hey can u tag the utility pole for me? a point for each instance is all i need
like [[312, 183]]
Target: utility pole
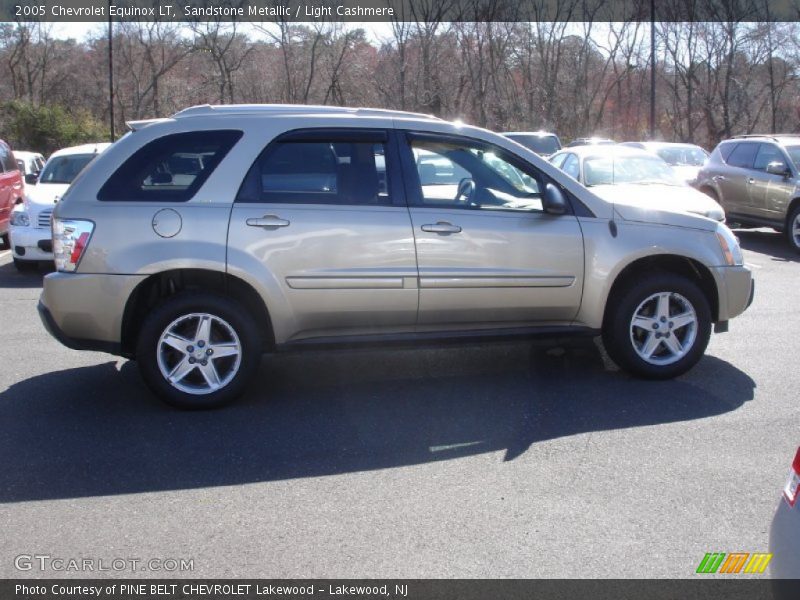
[[771, 70], [111, 71], [652, 69]]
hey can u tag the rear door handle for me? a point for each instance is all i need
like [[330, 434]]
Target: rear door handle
[[718, 178], [268, 221], [750, 180], [441, 227]]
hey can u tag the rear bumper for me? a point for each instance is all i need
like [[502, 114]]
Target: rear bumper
[[85, 311], [74, 343]]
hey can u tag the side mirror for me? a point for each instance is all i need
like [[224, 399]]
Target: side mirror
[[553, 201], [31, 178], [779, 168]]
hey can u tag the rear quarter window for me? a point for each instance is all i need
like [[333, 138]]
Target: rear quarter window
[[725, 150], [743, 155], [171, 168]]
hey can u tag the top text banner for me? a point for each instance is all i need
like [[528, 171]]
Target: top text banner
[[430, 11]]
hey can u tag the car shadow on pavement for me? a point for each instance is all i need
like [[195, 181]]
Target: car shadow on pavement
[[96, 430], [769, 243], [11, 278]]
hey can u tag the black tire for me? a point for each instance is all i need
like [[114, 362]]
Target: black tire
[[26, 266], [792, 236], [6, 241], [619, 333], [150, 351]]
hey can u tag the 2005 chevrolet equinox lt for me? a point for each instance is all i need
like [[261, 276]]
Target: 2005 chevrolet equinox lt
[[197, 243]]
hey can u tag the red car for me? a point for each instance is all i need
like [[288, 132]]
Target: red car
[[11, 190]]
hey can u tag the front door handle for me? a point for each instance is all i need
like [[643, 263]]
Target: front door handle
[[267, 221], [750, 180], [441, 227]]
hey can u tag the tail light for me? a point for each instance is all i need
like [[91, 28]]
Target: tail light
[[70, 239], [790, 492]]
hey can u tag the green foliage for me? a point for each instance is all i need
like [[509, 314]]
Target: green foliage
[[48, 128]]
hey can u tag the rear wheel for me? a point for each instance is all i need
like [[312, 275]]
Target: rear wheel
[[658, 327], [6, 241], [198, 350], [793, 228]]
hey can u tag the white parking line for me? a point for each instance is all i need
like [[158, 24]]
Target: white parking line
[[4, 252]]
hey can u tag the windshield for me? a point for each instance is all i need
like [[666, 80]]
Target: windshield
[[794, 154], [691, 156], [63, 169], [541, 144], [627, 169]]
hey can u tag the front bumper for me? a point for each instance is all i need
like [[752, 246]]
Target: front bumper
[[85, 311], [736, 290], [31, 243]]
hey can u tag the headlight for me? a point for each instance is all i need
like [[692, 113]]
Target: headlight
[[729, 246], [20, 218]]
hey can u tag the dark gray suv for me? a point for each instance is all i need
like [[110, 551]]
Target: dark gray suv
[[755, 178]]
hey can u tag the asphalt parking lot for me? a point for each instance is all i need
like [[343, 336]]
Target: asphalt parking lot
[[504, 460]]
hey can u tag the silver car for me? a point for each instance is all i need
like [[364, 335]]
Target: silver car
[[196, 243], [622, 174], [685, 159], [784, 534]]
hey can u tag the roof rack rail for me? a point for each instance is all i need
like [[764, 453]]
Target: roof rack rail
[[288, 109], [771, 136]]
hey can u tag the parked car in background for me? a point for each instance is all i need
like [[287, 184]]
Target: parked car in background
[[30, 164], [31, 238], [306, 226], [590, 141], [756, 178], [631, 176], [11, 189], [784, 534], [543, 143], [685, 159]]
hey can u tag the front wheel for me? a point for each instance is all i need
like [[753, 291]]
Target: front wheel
[[658, 327], [793, 229], [198, 350]]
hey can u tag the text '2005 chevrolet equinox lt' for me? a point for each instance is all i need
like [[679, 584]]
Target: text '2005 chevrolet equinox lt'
[[196, 243]]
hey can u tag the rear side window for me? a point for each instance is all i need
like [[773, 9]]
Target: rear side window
[[743, 156], [319, 172], [558, 160], [572, 166], [171, 168], [725, 150]]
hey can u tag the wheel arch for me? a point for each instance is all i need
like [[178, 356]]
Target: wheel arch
[[158, 287], [793, 204], [670, 263]]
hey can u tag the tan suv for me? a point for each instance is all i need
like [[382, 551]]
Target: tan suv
[[756, 179], [197, 243]]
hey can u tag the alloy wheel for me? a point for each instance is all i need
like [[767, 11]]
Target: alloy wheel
[[663, 328], [199, 353]]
